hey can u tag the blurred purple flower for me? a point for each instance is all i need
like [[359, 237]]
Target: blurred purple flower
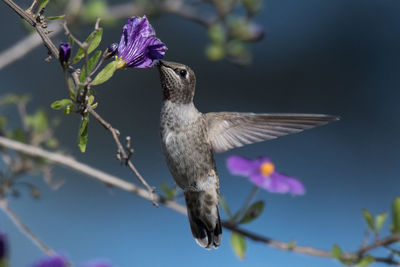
[[3, 247], [97, 263], [261, 172], [55, 261], [139, 48], [64, 50]]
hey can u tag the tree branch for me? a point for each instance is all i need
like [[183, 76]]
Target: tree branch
[[24, 229], [69, 162]]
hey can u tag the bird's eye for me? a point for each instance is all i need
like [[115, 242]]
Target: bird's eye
[[183, 73]]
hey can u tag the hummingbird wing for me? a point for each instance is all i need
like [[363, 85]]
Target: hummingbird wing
[[227, 130]]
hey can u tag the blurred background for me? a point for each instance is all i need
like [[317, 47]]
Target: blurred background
[[335, 57]]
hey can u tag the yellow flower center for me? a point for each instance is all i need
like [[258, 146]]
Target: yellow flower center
[[121, 63], [266, 169]]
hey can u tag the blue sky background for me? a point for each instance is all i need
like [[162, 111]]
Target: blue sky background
[[335, 57]]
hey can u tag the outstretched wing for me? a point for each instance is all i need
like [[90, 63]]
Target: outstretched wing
[[227, 130]]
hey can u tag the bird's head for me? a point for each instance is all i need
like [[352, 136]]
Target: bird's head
[[177, 81]]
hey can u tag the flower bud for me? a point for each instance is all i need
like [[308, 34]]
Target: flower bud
[[64, 50], [112, 50]]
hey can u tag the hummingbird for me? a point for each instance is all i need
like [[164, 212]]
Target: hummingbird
[[189, 139]]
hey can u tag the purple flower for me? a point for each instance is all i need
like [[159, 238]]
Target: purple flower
[[55, 261], [139, 48], [261, 172], [64, 50], [97, 263]]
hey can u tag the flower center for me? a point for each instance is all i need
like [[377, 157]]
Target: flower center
[[120, 63], [266, 169]]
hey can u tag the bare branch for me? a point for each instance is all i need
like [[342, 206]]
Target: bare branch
[[71, 163], [24, 229]]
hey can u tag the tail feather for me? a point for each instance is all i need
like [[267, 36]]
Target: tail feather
[[205, 222]]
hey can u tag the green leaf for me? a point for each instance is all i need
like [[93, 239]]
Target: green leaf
[[39, 121], [225, 207], [169, 193], [94, 39], [369, 219], [52, 143], [380, 220], [336, 252], [217, 34], [18, 135], [105, 73], [253, 212], [55, 17], [13, 99], [3, 123], [215, 52], [252, 6], [83, 133], [96, 9], [366, 261], [91, 64], [238, 244], [43, 4], [396, 215], [61, 103]]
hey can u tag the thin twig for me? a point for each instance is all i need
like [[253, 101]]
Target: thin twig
[[71, 163], [115, 133], [24, 229]]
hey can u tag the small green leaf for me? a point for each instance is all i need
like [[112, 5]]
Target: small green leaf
[[55, 17], [19, 135], [169, 193], [369, 219], [217, 33], [336, 252], [253, 212], [380, 220], [91, 64], [13, 99], [90, 99], [396, 215], [105, 73], [94, 105], [366, 261], [52, 143], [215, 52], [39, 121], [291, 244], [69, 109], [225, 207], [94, 39], [43, 4], [71, 41], [83, 133], [3, 123], [238, 244], [61, 103]]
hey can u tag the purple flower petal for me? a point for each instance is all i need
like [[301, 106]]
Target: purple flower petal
[[56, 261], [238, 165], [97, 263], [261, 172], [139, 48]]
